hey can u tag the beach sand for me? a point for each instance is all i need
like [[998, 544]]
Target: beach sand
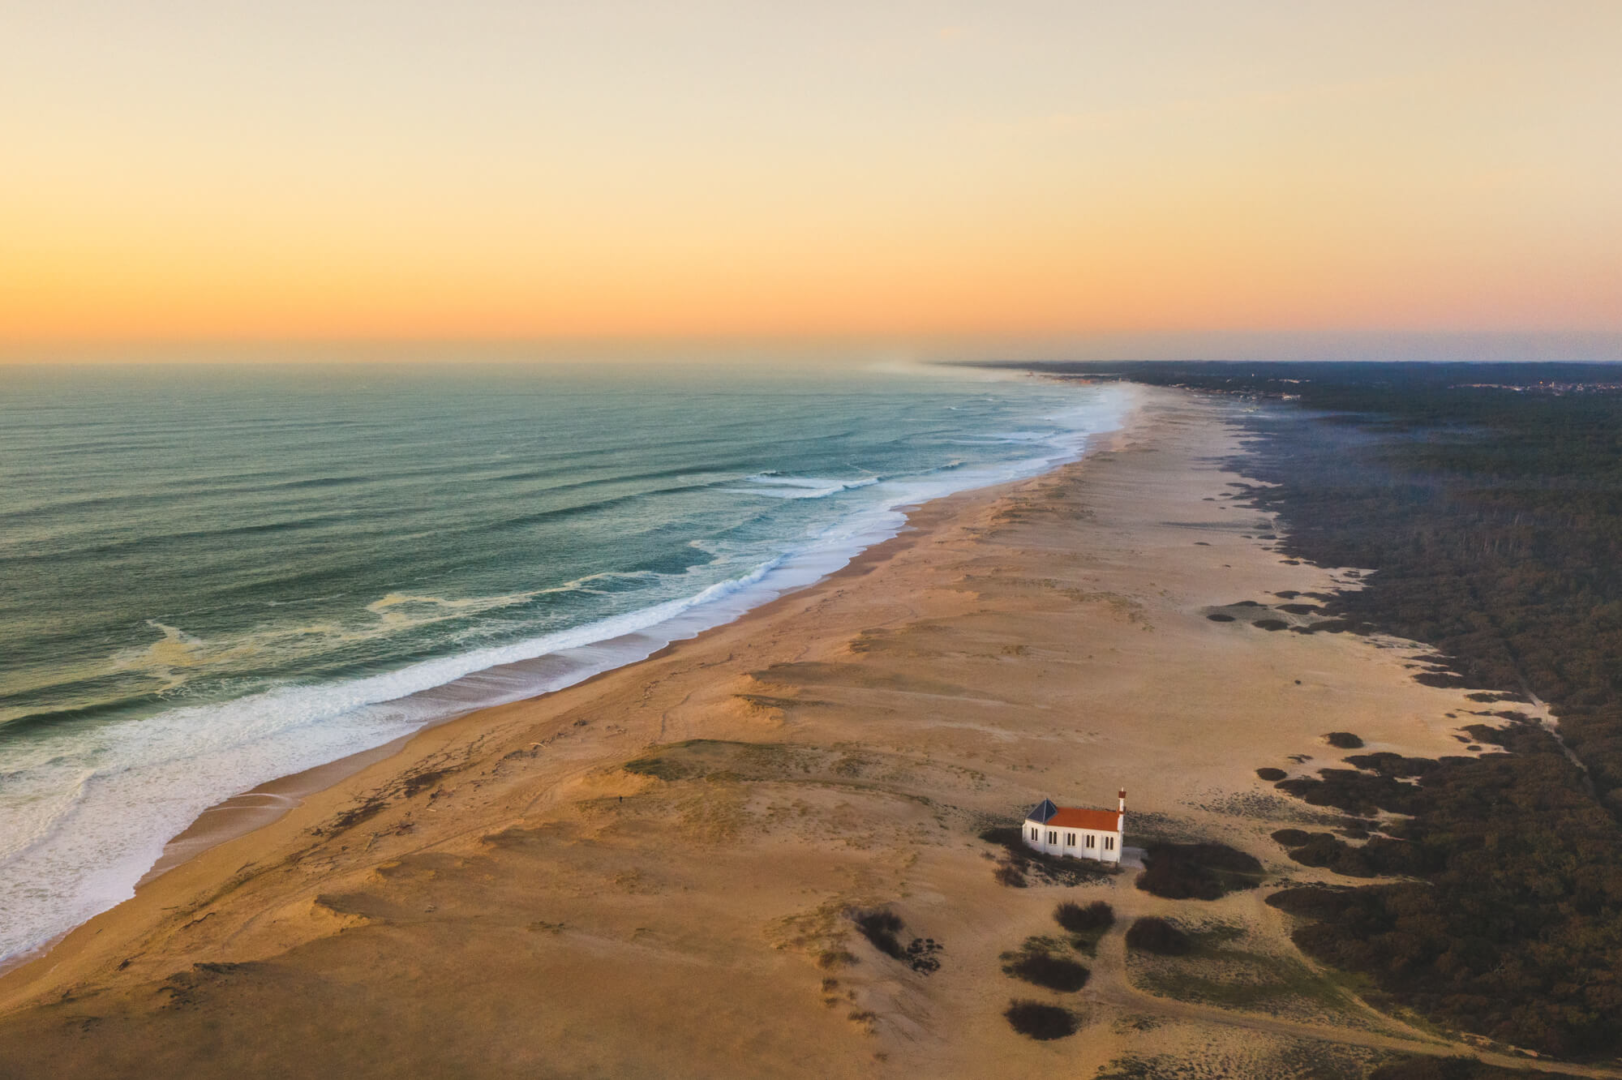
[[502, 896]]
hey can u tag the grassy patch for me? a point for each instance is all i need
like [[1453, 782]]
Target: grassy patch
[[697, 759], [1209, 971]]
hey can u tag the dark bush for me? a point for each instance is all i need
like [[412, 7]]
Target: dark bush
[[1270, 773], [1271, 624], [1352, 791], [1155, 935], [1344, 740], [1313, 901], [1097, 915], [1039, 1021], [1053, 972], [1217, 616], [880, 928], [1197, 871], [1388, 764], [1010, 875], [1293, 837], [1327, 850]]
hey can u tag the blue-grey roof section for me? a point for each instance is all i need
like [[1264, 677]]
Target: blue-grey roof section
[[1044, 810]]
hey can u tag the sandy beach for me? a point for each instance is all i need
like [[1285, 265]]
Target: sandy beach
[[651, 873]]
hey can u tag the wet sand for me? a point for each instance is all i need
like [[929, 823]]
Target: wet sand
[[504, 896]]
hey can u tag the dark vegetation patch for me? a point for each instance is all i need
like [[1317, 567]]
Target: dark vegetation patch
[[1152, 934], [1494, 522], [1299, 609], [367, 808], [1514, 926], [1343, 740], [1202, 871], [1086, 925], [1096, 916], [1353, 791], [1443, 680], [1380, 856], [1270, 624], [1042, 968], [1330, 626], [1267, 772], [1388, 764], [881, 927], [921, 955], [1039, 1021], [1018, 863], [422, 781], [1217, 616]]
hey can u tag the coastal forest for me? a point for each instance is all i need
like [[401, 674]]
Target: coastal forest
[[1487, 498]]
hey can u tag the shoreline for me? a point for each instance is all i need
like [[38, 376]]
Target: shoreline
[[263, 805], [652, 867]]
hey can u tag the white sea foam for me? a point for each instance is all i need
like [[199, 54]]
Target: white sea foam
[[86, 813], [801, 487]]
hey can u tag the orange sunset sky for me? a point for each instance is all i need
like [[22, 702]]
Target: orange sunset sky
[[199, 169]]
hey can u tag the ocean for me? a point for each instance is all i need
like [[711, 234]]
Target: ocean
[[212, 577]]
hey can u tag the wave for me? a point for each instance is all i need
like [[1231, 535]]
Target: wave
[[774, 486]]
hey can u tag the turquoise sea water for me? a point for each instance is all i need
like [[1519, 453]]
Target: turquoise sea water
[[210, 577]]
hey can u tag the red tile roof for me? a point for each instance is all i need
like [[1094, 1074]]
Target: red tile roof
[[1069, 817]]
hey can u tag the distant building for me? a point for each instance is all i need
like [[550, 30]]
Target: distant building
[[1081, 834]]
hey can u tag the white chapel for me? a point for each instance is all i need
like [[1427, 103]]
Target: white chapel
[[1076, 832]]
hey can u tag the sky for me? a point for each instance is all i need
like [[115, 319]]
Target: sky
[[215, 170]]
